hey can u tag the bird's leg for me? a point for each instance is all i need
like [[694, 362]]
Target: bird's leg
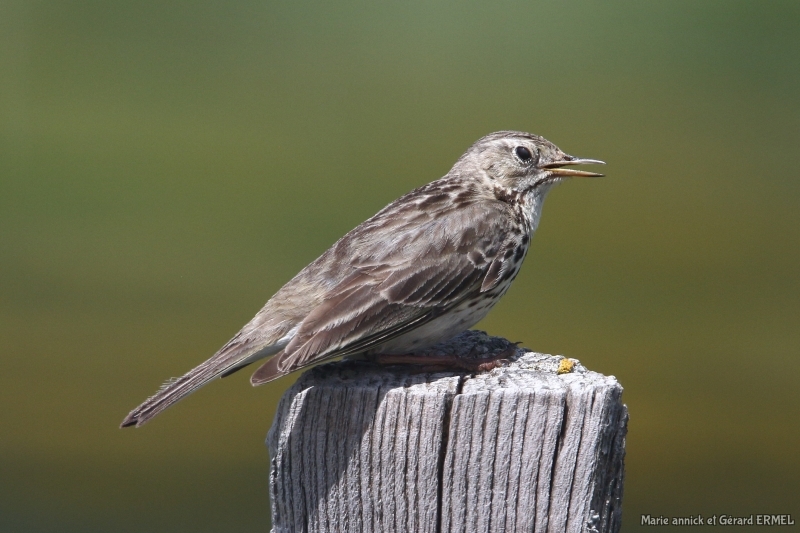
[[470, 362]]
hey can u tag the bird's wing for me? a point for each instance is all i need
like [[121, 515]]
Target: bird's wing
[[403, 267], [359, 318], [399, 286]]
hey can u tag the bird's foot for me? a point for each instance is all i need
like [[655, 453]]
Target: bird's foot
[[471, 362]]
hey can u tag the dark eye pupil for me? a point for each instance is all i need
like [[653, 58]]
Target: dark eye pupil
[[523, 153]]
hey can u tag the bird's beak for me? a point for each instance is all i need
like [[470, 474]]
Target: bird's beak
[[556, 169]]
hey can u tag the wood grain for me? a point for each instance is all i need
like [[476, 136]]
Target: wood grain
[[357, 447]]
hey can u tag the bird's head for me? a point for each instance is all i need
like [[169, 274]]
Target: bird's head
[[521, 162]]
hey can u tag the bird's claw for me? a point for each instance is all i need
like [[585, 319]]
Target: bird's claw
[[437, 363]]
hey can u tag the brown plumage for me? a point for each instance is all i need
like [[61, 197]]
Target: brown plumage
[[428, 266]]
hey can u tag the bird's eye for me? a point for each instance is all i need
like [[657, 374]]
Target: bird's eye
[[523, 153]]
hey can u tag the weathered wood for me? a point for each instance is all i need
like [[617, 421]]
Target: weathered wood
[[356, 447]]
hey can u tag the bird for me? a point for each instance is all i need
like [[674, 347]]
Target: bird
[[425, 268]]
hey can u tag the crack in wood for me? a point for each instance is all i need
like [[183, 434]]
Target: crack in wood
[[356, 447]]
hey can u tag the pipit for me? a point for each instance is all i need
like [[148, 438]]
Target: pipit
[[428, 266]]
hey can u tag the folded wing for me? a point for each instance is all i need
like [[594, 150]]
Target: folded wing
[[396, 289]]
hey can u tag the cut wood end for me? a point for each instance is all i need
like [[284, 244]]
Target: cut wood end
[[534, 445], [524, 369]]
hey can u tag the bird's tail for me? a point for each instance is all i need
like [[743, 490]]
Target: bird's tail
[[230, 358], [271, 370]]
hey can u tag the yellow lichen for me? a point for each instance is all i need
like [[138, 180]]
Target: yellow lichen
[[565, 366]]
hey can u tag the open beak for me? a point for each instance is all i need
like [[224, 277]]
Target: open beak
[[556, 169]]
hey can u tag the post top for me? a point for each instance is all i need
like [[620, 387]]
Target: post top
[[526, 370]]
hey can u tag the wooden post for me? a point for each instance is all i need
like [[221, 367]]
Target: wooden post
[[537, 445]]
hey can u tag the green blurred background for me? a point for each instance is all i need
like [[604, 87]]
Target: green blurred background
[[166, 166]]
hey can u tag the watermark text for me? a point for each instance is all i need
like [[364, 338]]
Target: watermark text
[[719, 520]]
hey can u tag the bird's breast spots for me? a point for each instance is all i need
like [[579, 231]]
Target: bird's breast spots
[[507, 195]]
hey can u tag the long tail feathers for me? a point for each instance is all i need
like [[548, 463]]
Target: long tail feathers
[[269, 371], [282, 364], [229, 359]]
